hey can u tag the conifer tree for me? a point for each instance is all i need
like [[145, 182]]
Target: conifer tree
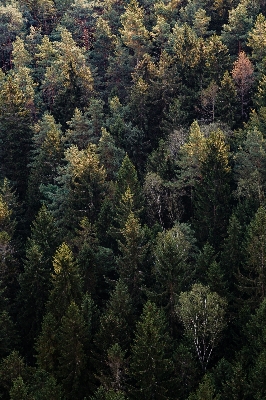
[[127, 178], [79, 189], [35, 280], [252, 276], [133, 32], [131, 261], [46, 157], [173, 266], [150, 363], [66, 282], [15, 136], [71, 349], [212, 194]]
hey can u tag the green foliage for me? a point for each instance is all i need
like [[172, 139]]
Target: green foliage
[[15, 135], [252, 277], [212, 192], [150, 364], [35, 281], [116, 137], [174, 256], [202, 313]]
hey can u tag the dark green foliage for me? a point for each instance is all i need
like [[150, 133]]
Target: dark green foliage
[[132, 199], [150, 363], [35, 280], [15, 136], [212, 192], [174, 269]]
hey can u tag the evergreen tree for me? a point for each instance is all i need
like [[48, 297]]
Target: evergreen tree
[[46, 157], [173, 268], [72, 357], [35, 280], [15, 135], [252, 274], [212, 194], [66, 282], [150, 364], [133, 249]]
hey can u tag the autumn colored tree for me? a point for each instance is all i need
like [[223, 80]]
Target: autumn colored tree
[[242, 74]]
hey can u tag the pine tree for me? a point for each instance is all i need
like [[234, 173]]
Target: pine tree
[[15, 135], [66, 282], [46, 157], [227, 101], [11, 20], [252, 275], [150, 364], [173, 266], [116, 321], [79, 189], [133, 32], [72, 358], [133, 249], [85, 128], [19, 390], [35, 281], [250, 169], [212, 194]]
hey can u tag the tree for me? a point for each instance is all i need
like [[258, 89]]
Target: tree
[[15, 136], [134, 34], [35, 280], [212, 191], [202, 313], [19, 390], [192, 154], [20, 55], [186, 45], [72, 357], [113, 338], [68, 81], [127, 182], [173, 266], [133, 249], [105, 394], [242, 74], [206, 390], [250, 169], [46, 157], [43, 386], [150, 364], [236, 30], [208, 100], [226, 104], [116, 320], [11, 368], [252, 278], [66, 282], [78, 190], [110, 155], [11, 20], [256, 351], [256, 39], [85, 127]]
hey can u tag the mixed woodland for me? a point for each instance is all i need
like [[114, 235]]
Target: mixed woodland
[[132, 199]]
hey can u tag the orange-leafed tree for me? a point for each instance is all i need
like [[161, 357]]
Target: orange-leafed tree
[[243, 75]]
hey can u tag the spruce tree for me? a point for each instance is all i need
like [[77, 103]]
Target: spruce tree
[[150, 364]]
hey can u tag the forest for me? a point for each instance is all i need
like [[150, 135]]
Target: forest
[[132, 199]]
